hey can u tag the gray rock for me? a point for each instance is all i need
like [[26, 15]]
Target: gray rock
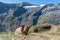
[[14, 15]]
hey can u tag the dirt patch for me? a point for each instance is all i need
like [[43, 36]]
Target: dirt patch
[[32, 38]]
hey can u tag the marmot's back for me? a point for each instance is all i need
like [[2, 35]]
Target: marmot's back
[[19, 30]]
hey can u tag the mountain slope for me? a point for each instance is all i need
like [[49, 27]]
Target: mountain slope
[[14, 15]]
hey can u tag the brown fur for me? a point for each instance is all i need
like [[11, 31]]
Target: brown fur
[[41, 28], [45, 28], [22, 30], [26, 29], [19, 30]]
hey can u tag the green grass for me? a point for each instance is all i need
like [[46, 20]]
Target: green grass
[[51, 36], [58, 29], [31, 30], [8, 35]]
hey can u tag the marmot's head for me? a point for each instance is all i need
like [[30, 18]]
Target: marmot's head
[[26, 29], [22, 28]]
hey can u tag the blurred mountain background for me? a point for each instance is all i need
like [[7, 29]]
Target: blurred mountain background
[[14, 15]]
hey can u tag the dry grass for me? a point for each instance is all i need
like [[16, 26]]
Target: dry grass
[[32, 29], [8, 36], [12, 36], [36, 36]]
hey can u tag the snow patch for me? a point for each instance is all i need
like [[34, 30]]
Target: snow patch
[[31, 6], [34, 6], [42, 5]]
